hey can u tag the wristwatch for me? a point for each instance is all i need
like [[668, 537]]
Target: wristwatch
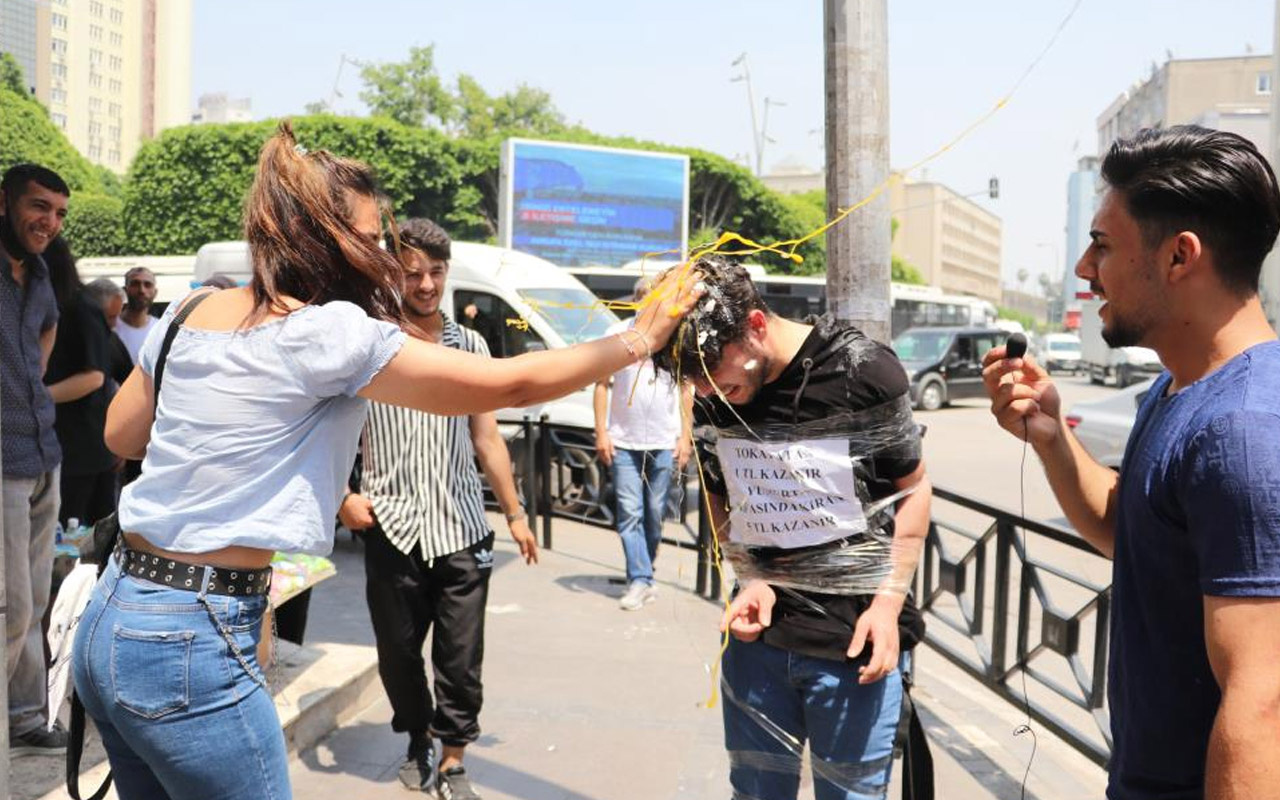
[[516, 517]]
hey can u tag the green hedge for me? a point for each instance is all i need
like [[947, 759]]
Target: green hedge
[[95, 225], [28, 135], [187, 186]]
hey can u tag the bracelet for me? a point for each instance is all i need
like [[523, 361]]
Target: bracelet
[[516, 517], [630, 345]]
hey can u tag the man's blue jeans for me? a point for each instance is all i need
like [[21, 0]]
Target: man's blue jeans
[[776, 700], [641, 481], [179, 699]]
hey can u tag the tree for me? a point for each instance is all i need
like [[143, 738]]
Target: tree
[[28, 135], [187, 186], [900, 270], [316, 107], [95, 225], [11, 76], [409, 92], [526, 110]]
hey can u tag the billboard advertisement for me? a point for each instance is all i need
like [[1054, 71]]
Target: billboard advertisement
[[578, 205]]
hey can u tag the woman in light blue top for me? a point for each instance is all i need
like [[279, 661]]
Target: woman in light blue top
[[247, 451]]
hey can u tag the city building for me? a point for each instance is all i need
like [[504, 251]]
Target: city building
[[1231, 94], [1082, 203], [112, 73], [793, 176], [953, 242], [1032, 304], [20, 26], [218, 107]]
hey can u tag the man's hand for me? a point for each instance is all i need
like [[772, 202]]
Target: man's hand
[[879, 625], [1025, 401], [684, 449], [356, 512], [750, 612], [604, 448], [525, 539]]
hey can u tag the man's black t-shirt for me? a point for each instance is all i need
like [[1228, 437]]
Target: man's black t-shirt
[[837, 370], [82, 344]]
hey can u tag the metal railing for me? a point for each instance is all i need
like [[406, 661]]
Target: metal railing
[[1003, 615], [998, 613]]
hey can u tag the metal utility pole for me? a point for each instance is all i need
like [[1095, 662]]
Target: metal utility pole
[[856, 43], [751, 101], [764, 133]]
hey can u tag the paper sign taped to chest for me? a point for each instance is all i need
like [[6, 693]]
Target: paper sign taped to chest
[[790, 494]]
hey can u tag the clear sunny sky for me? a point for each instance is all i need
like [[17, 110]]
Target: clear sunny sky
[[660, 70]]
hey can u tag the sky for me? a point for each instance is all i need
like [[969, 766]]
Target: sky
[[661, 70]]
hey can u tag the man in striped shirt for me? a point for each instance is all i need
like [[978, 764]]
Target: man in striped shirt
[[428, 546]]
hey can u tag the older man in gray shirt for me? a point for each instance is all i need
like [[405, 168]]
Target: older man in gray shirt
[[33, 203]]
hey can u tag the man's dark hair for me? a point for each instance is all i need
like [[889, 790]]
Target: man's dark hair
[[16, 178], [719, 319], [424, 235], [1212, 183]]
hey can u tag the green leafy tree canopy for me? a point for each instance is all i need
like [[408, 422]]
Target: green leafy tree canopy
[[409, 92]]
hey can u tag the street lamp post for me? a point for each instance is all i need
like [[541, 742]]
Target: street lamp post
[[751, 102]]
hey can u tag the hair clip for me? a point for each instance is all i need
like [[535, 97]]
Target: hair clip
[[299, 149]]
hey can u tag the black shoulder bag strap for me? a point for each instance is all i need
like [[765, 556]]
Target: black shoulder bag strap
[[75, 736]]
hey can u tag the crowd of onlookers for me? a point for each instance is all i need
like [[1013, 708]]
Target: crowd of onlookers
[[67, 347]]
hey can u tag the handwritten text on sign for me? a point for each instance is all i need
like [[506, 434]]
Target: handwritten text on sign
[[790, 494]]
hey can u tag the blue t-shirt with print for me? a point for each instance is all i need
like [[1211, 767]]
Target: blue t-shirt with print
[[1198, 514]]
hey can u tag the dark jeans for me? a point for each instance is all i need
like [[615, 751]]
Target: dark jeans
[[407, 595]]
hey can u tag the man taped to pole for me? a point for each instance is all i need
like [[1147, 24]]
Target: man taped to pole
[[818, 495]]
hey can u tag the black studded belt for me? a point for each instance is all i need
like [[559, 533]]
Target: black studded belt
[[177, 574]]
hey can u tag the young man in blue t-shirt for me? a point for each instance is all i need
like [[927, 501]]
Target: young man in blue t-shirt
[[1192, 520]]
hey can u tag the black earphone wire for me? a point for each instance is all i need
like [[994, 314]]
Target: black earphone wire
[[1026, 699]]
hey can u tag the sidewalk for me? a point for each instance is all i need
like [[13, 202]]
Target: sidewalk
[[588, 702]]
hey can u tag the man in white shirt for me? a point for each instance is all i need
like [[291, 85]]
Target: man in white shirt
[[136, 319], [641, 433]]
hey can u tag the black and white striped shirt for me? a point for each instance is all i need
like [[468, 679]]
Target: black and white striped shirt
[[420, 471]]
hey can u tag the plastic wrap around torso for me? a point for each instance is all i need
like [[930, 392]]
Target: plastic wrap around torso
[[804, 484]]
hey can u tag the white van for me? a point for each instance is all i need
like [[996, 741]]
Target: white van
[[173, 273], [518, 302]]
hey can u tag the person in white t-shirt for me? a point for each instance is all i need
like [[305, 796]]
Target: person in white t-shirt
[[136, 319], [641, 435]]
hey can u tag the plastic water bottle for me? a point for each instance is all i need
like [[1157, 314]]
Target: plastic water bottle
[[57, 532]]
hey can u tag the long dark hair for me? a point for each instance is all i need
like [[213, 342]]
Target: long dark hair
[[63, 275], [302, 238]]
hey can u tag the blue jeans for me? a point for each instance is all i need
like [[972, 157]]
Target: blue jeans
[[641, 480], [776, 700], [182, 713]]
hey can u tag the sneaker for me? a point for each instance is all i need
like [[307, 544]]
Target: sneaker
[[637, 594], [454, 785], [418, 772], [40, 742]]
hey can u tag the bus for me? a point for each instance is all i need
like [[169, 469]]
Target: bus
[[798, 297]]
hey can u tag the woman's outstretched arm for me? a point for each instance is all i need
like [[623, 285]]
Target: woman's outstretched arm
[[441, 380]]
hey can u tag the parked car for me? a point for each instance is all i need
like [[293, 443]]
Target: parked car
[[1103, 426], [1060, 352], [945, 364]]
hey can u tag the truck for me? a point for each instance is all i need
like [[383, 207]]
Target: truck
[[1104, 364]]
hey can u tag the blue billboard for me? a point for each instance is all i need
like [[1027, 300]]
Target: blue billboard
[[577, 205]]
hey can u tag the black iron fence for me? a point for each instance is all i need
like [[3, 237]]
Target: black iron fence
[[1022, 606]]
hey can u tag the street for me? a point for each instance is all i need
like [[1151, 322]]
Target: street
[[968, 453]]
